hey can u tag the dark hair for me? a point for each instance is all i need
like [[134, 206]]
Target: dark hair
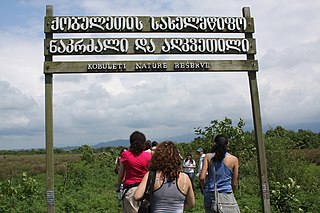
[[186, 159], [220, 147], [137, 142], [166, 159], [147, 145], [154, 143]]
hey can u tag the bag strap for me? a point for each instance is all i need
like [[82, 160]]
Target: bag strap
[[213, 166], [149, 184], [126, 189]]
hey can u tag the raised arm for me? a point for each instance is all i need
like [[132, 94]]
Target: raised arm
[[141, 188], [203, 173], [120, 175], [194, 165], [235, 173]]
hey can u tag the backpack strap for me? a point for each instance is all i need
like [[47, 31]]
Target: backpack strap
[[149, 184]]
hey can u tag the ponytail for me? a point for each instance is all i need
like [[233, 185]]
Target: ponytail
[[220, 147]]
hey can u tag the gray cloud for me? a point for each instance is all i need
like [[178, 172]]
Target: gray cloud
[[94, 108], [302, 53], [163, 104], [19, 117], [290, 84]]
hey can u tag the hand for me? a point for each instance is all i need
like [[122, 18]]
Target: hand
[[117, 187]]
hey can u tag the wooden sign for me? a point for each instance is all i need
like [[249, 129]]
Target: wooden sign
[[139, 24], [150, 66], [104, 35]]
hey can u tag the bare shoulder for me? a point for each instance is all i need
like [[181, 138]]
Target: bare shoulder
[[208, 156], [232, 157], [183, 179], [231, 161], [182, 176]]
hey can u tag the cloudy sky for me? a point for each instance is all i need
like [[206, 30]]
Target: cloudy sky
[[91, 108]]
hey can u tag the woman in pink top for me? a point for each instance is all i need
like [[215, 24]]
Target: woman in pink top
[[133, 166]]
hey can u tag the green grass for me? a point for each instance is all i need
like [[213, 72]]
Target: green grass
[[81, 187], [13, 165]]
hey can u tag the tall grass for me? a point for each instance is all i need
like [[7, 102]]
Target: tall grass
[[14, 165]]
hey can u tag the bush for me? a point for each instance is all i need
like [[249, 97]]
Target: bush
[[88, 155], [19, 196], [284, 196]]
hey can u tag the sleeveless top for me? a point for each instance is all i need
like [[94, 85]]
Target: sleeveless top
[[223, 177], [168, 198]]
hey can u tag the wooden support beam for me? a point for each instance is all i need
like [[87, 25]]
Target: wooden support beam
[[49, 129], [262, 161]]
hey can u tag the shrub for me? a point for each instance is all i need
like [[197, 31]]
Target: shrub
[[88, 155], [18, 196], [284, 196]]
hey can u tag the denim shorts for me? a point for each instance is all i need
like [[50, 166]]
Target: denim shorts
[[208, 197]]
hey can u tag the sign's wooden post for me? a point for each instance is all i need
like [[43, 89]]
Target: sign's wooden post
[[49, 128], [262, 164]]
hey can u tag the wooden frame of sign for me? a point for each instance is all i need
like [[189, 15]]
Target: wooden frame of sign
[[98, 40]]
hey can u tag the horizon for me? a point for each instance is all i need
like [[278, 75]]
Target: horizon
[[173, 138]]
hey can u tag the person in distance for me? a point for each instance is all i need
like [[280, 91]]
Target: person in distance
[[189, 165]]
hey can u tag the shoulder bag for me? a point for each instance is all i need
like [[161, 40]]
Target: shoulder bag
[[215, 207], [222, 203], [145, 203]]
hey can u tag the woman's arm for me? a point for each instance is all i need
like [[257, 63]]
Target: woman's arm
[[204, 170], [184, 165], [141, 188], [193, 164], [190, 200], [120, 176], [235, 174]]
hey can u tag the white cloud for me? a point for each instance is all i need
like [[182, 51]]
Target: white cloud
[[291, 84], [114, 86], [93, 108], [21, 62]]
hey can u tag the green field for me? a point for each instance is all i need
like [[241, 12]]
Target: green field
[[85, 178]]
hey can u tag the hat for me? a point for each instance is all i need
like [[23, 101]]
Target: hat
[[200, 150]]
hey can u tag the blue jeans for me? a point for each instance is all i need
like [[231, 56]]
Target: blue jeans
[[191, 176], [208, 197]]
